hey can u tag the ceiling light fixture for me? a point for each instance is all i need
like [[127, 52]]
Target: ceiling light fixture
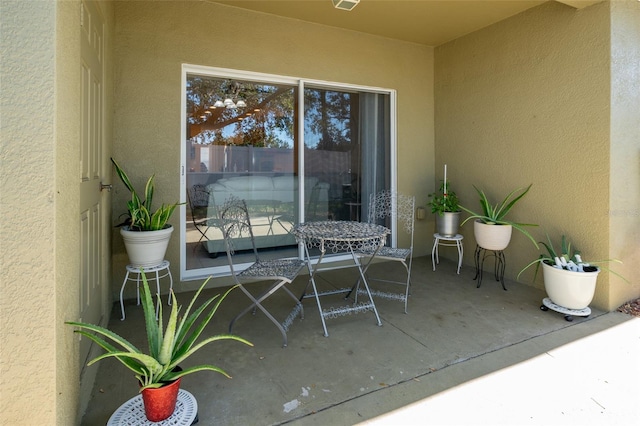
[[231, 100], [345, 4]]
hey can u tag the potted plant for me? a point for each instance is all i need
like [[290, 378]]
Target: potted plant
[[445, 205], [158, 371], [146, 233], [569, 280], [491, 230]]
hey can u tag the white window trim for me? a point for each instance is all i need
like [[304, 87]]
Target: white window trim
[[227, 73]]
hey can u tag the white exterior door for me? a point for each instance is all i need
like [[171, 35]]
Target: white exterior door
[[93, 201]]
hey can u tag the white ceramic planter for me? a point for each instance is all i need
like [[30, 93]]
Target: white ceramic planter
[[146, 248], [573, 290], [447, 225], [492, 237]]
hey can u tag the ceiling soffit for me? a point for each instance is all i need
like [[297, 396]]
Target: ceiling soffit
[[428, 22]]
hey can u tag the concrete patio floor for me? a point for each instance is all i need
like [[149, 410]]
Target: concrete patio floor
[[462, 355]]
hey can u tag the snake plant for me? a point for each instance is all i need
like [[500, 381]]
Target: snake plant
[[168, 346], [140, 216]]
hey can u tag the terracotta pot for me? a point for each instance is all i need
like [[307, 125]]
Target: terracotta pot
[[572, 290], [160, 403], [492, 237]]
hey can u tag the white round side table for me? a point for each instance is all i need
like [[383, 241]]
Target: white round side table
[[148, 271], [442, 240], [132, 412]]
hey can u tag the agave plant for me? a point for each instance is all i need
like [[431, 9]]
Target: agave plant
[[567, 259], [495, 214], [168, 346], [140, 216]]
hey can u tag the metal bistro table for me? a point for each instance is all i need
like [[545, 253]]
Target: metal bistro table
[[336, 236]]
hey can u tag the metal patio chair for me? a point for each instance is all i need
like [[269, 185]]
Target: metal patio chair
[[384, 207], [198, 197], [235, 224]]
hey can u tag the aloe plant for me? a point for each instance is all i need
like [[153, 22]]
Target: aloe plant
[[168, 346], [567, 259], [495, 214], [140, 216]]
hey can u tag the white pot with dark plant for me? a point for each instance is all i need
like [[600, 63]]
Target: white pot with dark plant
[[146, 233]]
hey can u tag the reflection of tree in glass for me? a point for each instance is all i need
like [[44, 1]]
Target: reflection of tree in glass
[[266, 121], [328, 119]]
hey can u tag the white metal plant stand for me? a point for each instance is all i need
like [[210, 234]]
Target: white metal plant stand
[[442, 240], [152, 273], [131, 413]]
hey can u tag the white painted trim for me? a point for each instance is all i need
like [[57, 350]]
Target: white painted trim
[[227, 73]]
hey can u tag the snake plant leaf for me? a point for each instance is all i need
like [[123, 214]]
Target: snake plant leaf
[[148, 192], [123, 176], [140, 211]]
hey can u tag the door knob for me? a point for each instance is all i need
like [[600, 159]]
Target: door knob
[[105, 186]]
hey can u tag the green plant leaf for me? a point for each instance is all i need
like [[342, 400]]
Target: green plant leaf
[[190, 339], [169, 335], [154, 334]]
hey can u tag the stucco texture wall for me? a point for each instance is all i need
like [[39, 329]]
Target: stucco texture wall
[[36, 354], [27, 272], [153, 41], [625, 146], [527, 100]]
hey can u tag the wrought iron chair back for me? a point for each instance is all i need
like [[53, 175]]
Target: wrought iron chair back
[[384, 207], [198, 198], [235, 223]]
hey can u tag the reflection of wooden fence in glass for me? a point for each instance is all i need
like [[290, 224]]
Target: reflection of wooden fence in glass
[[243, 159], [247, 159]]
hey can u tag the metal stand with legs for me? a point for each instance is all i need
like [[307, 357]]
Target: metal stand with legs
[[449, 241], [499, 264], [152, 273]]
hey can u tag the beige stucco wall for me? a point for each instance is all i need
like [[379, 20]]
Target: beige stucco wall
[[625, 146], [27, 330], [527, 100], [152, 42], [39, 207]]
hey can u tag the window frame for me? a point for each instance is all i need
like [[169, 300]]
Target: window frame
[[301, 83]]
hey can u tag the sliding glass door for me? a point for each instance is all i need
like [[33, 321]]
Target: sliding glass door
[[292, 158]]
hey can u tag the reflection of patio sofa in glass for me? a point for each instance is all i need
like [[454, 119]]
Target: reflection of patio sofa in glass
[[272, 204]]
